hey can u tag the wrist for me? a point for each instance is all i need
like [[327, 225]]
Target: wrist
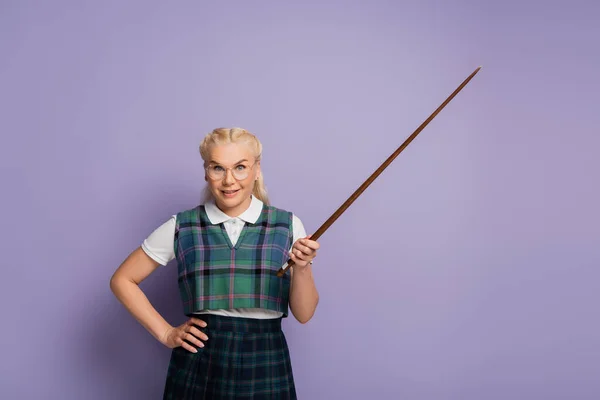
[[302, 271], [301, 264], [163, 333]]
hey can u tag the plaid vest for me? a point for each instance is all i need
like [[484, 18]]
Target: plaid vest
[[214, 274]]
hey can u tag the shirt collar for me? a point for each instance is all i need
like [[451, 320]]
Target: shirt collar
[[216, 216]]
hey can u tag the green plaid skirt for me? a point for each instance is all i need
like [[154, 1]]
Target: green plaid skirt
[[242, 359]]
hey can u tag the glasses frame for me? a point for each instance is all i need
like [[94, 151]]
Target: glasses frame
[[206, 169]]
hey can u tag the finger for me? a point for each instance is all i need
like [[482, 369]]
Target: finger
[[198, 333], [304, 249], [310, 243], [297, 260], [300, 255], [199, 322], [193, 340], [313, 244], [179, 342], [188, 347], [309, 255]]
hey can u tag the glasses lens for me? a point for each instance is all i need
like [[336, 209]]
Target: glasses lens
[[217, 172], [240, 174]]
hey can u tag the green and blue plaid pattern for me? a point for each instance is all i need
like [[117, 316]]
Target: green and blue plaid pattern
[[242, 359], [215, 274]]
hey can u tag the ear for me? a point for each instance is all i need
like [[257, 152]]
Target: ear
[[258, 170]]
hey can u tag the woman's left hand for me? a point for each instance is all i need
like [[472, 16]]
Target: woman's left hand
[[304, 251]]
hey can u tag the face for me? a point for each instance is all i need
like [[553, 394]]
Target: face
[[232, 195]]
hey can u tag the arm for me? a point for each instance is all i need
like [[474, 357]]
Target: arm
[[125, 286], [304, 296]]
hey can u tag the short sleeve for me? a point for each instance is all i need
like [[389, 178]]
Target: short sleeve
[[159, 245], [298, 228]]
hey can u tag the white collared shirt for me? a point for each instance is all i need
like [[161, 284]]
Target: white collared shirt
[[159, 245]]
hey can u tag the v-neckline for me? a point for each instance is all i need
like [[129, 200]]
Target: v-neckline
[[228, 239]]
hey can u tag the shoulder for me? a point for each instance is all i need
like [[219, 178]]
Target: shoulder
[[269, 207], [277, 212], [297, 227], [191, 214], [283, 212]]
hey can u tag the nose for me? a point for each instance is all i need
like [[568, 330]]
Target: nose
[[229, 179]]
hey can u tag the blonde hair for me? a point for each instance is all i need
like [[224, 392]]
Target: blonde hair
[[234, 135]]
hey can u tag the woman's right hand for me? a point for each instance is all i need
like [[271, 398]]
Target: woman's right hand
[[177, 336]]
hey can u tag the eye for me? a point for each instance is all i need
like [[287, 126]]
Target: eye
[[217, 168], [240, 167]]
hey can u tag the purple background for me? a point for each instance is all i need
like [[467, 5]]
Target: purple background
[[468, 270]]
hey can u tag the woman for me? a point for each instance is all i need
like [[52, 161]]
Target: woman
[[228, 251]]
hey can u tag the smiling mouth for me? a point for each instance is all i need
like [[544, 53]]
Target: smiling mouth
[[229, 193]]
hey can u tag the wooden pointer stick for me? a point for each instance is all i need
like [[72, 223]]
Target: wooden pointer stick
[[379, 170]]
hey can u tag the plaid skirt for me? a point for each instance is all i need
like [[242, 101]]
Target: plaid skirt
[[242, 359]]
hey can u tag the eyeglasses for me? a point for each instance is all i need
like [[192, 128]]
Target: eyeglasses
[[239, 172]]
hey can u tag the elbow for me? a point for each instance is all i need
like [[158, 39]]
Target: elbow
[[304, 320], [115, 283], [120, 283], [305, 315]]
